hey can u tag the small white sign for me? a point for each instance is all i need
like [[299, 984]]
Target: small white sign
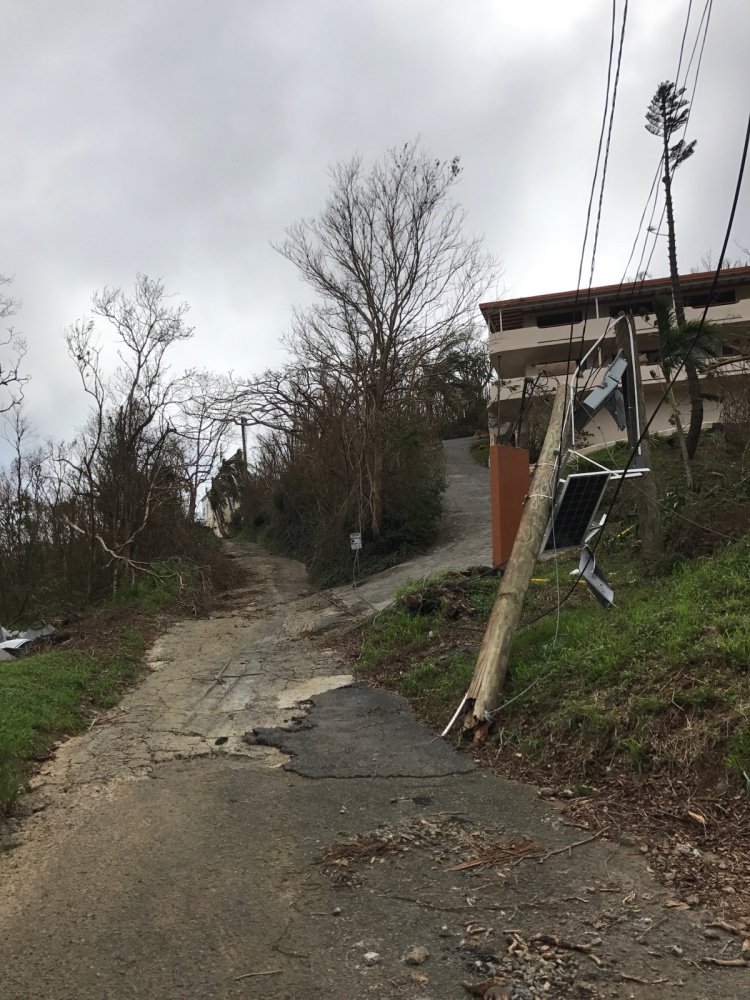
[[355, 540]]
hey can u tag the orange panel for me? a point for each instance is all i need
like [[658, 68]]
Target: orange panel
[[509, 480]]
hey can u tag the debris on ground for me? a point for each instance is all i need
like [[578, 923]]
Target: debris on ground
[[417, 956], [456, 842], [539, 966], [14, 644]]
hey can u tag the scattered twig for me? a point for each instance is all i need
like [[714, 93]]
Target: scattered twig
[[569, 847], [267, 972], [722, 925], [292, 954], [512, 851], [423, 902], [649, 930], [558, 942], [734, 963], [637, 979]]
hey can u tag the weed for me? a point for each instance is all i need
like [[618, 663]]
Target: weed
[[635, 753], [480, 452], [160, 588], [738, 758]]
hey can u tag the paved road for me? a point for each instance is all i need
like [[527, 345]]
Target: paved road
[[164, 855], [465, 537]]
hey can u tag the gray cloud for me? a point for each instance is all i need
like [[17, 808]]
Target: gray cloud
[[180, 138]]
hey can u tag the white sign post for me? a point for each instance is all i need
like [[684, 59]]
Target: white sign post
[[355, 541]]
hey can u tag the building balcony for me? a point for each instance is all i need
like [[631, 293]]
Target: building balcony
[[515, 353]]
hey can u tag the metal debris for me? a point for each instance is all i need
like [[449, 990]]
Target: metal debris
[[12, 643]]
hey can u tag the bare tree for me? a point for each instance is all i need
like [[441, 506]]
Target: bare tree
[[13, 350], [398, 280], [202, 422], [125, 465]]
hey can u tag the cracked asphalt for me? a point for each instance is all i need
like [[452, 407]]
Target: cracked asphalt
[[248, 823]]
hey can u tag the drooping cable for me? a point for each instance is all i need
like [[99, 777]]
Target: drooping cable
[[670, 384]]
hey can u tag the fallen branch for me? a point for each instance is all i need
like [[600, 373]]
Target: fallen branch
[[569, 847], [637, 979], [732, 963]]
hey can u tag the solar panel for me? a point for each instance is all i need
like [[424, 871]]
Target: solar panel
[[575, 509]]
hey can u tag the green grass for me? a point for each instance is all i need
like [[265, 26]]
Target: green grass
[[155, 591], [480, 452], [661, 681], [48, 695]]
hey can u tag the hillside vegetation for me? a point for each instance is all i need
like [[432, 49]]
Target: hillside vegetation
[[658, 684]]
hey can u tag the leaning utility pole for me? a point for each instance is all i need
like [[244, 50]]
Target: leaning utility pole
[[492, 665]]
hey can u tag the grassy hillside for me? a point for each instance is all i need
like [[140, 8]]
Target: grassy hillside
[[658, 684]]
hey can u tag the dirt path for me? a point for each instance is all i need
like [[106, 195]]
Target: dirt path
[[164, 856]]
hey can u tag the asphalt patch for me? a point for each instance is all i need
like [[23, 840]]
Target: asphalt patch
[[362, 732]]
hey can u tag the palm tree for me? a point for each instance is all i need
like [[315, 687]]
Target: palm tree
[[667, 113], [690, 343]]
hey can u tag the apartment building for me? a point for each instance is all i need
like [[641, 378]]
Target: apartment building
[[529, 344]]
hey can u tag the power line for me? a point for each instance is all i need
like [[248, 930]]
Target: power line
[[705, 16], [684, 36], [609, 114], [670, 384], [699, 329], [592, 193], [641, 272]]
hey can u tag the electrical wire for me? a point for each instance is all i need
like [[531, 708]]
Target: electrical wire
[[592, 193], [694, 340], [705, 16], [684, 36], [660, 503], [670, 384], [606, 126], [641, 270]]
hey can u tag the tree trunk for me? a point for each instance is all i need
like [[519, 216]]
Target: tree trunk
[[696, 400], [696, 409], [680, 433], [679, 306], [376, 486]]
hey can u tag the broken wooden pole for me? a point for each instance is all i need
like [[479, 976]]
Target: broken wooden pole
[[492, 664]]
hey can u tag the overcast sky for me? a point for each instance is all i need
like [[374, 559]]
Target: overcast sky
[[180, 137]]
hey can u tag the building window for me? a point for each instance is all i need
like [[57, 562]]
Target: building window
[[559, 319], [703, 299], [512, 319], [637, 308]]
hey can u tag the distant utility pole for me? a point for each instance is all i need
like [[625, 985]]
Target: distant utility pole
[[492, 665], [243, 426], [646, 500]]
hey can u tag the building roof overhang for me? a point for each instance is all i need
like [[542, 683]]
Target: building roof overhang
[[627, 291]]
